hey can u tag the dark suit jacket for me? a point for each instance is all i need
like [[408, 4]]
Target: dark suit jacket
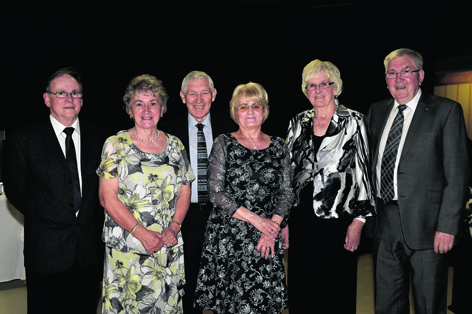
[[38, 183], [433, 168], [220, 124]]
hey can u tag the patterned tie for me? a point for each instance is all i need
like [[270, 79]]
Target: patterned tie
[[202, 165], [390, 155], [72, 162]]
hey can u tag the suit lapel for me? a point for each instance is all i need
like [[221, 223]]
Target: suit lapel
[[418, 123], [380, 116]]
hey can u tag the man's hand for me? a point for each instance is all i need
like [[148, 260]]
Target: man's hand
[[443, 242]]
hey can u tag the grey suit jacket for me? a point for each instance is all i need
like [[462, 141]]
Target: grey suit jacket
[[38, 183], [433, 168]]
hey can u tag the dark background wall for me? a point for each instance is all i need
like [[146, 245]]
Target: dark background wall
[[235, 42]]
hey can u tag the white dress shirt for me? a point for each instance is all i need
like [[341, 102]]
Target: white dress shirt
[[192, 139], [408, 116]]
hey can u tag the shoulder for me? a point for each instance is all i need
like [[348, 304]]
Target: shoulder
[[222, 123]]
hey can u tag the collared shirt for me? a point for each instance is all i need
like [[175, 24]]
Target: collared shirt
[[61, 137], [408, 116], [192, 139]]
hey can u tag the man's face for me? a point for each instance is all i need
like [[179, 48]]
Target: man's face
[[404, 89], [198, 99], [65, 110]]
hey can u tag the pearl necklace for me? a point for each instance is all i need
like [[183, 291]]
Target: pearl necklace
[[148, 141], [253, 141]]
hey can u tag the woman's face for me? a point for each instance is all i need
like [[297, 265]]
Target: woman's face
[[319, 97], [146, 110], [250, 114]]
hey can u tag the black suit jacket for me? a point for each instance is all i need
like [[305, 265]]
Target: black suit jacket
[[433, 168], [220, 124], [38, 183]]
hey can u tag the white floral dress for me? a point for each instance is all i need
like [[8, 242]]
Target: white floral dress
[[135, 281]]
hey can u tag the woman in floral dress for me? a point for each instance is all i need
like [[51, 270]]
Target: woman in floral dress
[[242, 267], [144, 187]]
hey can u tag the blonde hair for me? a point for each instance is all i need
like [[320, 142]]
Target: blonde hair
[[253, 92], [314, 69]]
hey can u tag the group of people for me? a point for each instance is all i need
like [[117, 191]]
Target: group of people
[[199, 209]]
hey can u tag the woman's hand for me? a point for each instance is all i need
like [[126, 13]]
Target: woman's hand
[[266, 226], [285, 240], [266, 246], [169, 235], [151, 240], [353, 235]]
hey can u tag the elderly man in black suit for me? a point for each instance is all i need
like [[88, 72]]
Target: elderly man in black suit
[[420, 169], [197, 93], [49, 176]]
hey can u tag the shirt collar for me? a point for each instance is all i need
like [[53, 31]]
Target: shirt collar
[[59, 127], [413, 103], [192, 121]]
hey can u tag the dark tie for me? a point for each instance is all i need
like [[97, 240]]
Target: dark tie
[[390, 156], [72, 162], [202, 166]]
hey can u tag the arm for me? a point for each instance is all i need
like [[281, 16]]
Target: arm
[[108, 191], [15, 174], [169, 235]]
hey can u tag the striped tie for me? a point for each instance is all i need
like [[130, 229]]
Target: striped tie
[[202, 165], [390, 155]]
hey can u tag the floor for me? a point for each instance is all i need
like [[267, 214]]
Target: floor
[[13, 294]]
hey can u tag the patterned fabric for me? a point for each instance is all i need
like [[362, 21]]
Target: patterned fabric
[[202, 165], [148, 186], [233, 276], [390, 156], [339, 169]]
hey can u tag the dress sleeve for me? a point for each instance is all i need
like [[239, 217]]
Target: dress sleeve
[[219, 196], [285, 192], [188, 175], [111, 155]]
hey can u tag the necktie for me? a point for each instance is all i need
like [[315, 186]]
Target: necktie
[[72, 162], [390, 156], [202, 166]]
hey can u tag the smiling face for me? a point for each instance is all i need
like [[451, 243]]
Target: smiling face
[[318, 97], [404, 89], [198, 99], [250, 118], [146, 110], [65, 110]]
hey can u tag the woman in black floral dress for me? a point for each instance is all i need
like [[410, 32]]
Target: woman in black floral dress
[[242, 267]]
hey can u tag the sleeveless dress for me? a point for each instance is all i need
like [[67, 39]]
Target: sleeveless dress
[[233, 276]]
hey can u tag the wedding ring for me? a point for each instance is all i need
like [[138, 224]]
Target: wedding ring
[[268, 248]]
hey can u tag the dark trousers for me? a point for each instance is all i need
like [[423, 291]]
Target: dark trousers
[[395, 263], [76, 290], [193, 233]]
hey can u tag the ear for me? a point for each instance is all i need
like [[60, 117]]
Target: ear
[[421, 73], [213, 95], [47, 101], [182, 96]]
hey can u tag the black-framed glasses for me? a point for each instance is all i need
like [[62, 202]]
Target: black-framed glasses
[[321, 86], [62, 94], [404, 73], [245, 107]]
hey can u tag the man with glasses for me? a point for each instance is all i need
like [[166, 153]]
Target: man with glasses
[[420, 170], [50, 177], [197, 130]]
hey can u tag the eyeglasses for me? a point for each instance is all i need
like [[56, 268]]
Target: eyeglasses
[[404, 73], [321, 86], [255, 107], [73, 94]]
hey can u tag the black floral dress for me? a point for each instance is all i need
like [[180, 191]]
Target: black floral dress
[[233, 276]]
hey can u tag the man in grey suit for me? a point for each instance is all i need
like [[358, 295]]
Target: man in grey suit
[[49, 176], [420, 169], [197, 93]]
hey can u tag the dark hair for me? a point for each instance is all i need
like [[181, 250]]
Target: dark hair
[[72, 72]]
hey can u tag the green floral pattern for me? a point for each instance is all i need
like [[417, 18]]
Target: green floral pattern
[[135, 281]]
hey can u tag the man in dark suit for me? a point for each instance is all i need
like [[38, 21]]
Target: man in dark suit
[[420, 169], [198, 93], [50, 177]]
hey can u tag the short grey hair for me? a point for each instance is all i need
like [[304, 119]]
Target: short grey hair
[[195, 76], [417, 58]]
